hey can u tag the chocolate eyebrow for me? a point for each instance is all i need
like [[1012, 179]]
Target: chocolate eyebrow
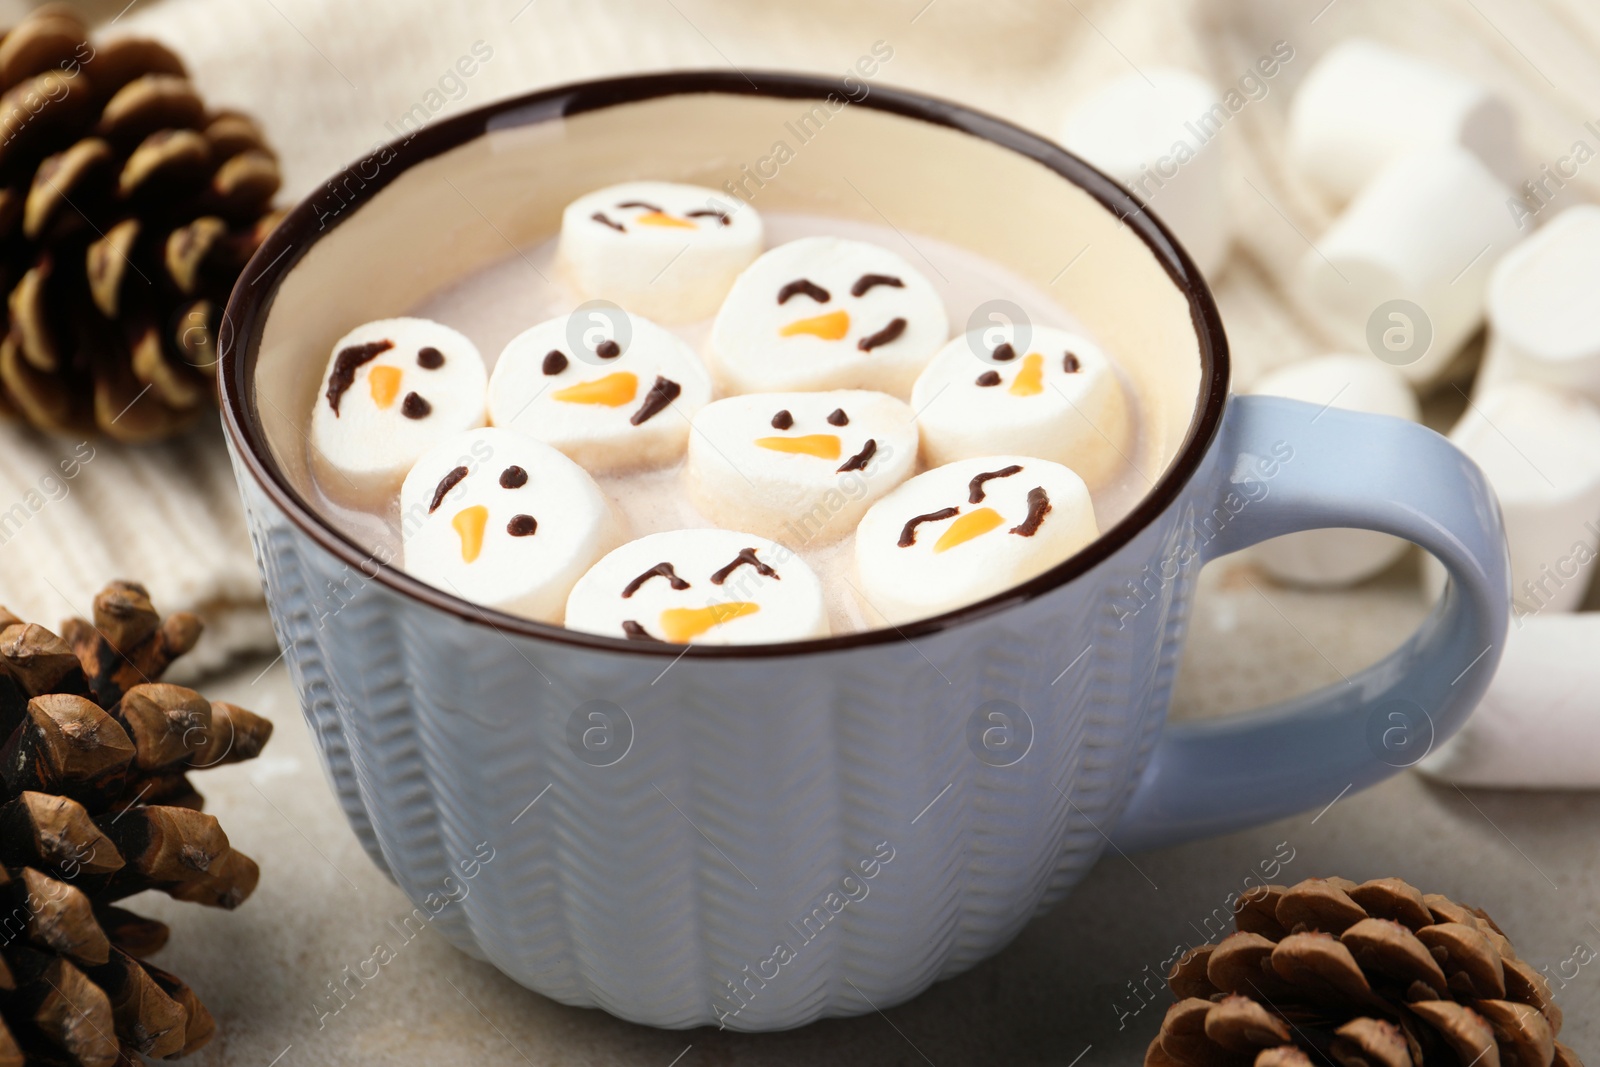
[[638, 203], [660, 570], [600, 217], [447, 483], [745, 556], [805, 287], [867, 281], [705, 212], [975, 489], [895, 328]]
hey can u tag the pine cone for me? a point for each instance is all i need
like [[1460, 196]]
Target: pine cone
[[96, 805], [1369, 975], [127, 211]]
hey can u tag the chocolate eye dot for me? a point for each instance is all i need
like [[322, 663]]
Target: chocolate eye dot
[[1070, 364], [554, 363], [608, 350], [430, 358], [988, 378], [414, 407], [513, 477], [782, 420], [838, 418], [522, 526], [1003, 353]]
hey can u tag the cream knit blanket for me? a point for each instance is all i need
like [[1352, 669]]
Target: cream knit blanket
[[331, 78]]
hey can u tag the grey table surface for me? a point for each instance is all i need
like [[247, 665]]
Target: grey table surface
[[1060, 994]]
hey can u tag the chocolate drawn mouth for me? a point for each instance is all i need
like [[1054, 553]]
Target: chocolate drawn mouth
[[889, 333]]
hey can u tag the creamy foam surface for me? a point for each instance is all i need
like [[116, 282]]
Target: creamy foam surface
[[495, 304]]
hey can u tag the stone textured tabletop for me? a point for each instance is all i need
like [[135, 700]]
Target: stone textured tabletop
[[1062, 991]]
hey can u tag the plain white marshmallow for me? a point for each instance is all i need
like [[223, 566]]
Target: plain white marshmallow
[[959, 533], [801, 468], [613, 399], [1042, 391], [505, 521], [1540, 450], [392, 389], [1537, 726], [827, 313], [1363, 105], [1341, 556], [1133, 128], [707, 587], [1428, 230], [1544, 320], [661, 249]]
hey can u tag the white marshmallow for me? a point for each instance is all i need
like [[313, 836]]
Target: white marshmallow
[[798, 467], [1363, 105], [504, 521], [1350, 383], [392, 389], [982, 395], [605, 411], [660, 249], [1428, 229], [1540, 450], [1536, 727], [770, 336], [704, 587], [1154, 133], [1544, 319], [912, 565]]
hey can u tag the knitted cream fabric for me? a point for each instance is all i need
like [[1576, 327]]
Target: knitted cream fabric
[[331, 78]]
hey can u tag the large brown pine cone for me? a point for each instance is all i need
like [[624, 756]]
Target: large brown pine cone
[[1368, 975], [127, 211], [96, 805]]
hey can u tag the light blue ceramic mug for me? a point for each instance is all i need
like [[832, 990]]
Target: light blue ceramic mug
[[760, 836]]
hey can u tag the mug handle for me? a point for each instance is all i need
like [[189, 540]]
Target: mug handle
[[1344, 469]]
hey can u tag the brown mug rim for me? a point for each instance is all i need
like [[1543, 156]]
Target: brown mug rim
[[251, 302]]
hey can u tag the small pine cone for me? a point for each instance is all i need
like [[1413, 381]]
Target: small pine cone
[[127, 211], [1374, 974], [95, 806]]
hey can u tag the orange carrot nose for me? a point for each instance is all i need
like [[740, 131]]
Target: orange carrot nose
[[830, 327], [685, 624], [821, 445], [972, 524], [614, 390], [469, 523], [385, 385], [661, 218], [1030, 379]]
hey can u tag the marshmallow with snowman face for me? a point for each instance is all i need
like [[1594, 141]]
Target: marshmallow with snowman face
[[798, 467], [392, 389], [827, 313], [1043, 391], [661, 249], [505, 521], [618, 396], [959, 533], [706, 587]]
